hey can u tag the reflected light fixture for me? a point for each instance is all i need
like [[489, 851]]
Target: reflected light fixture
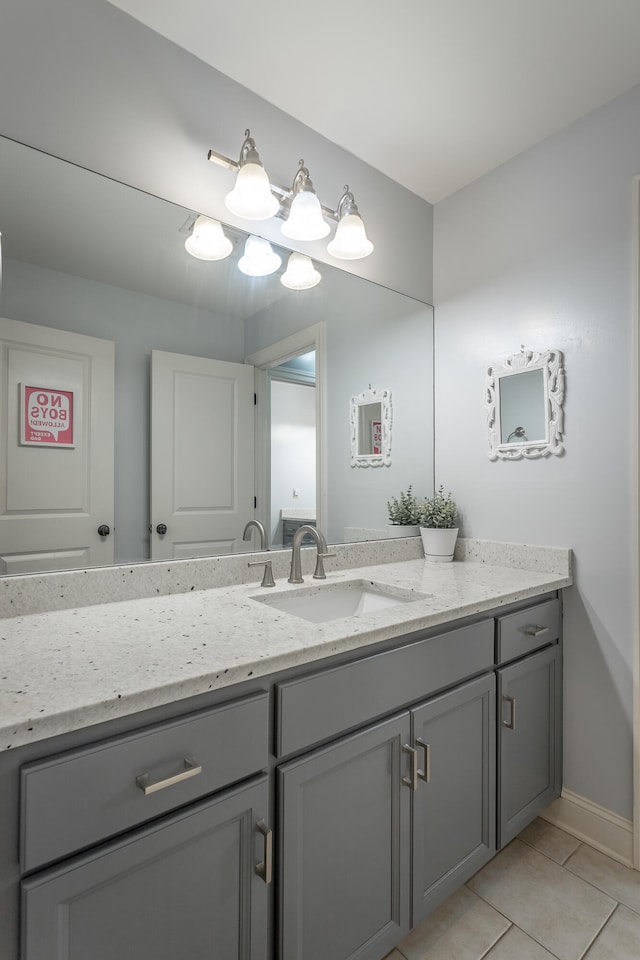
[[251, 197], [305, 220], [351, 241], [300, 273], [207, 240], [259, 259]]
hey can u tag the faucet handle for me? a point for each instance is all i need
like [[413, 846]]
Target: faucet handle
[[267, 579], [318, 573]]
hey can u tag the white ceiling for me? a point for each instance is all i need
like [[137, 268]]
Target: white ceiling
[[433, 93]]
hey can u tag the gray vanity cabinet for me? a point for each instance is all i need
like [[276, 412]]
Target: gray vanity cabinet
[[186, 886], [529, 739], [381, 826], [454, 804], [344, 846]]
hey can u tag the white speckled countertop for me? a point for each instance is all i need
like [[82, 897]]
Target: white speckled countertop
[[65, 669]]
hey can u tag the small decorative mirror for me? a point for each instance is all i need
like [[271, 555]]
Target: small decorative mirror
[[524, 401], [370, 420]]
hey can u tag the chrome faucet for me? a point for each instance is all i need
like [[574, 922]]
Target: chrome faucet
[[321, 545], [263, 537]]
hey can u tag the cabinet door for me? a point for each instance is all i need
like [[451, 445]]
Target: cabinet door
[[344, 832], [454, 805], [184, 887], [529, 739]]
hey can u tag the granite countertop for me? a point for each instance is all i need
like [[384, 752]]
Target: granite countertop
[[66, 669]]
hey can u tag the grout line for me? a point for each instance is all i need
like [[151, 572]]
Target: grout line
[[503, 934], [583, 955]]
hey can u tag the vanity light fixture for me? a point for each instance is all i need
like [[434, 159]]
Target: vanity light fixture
[[207, 240], [351, 241], [255, 198], [300, 273], [305, 220], [259, 259], [251, 198]]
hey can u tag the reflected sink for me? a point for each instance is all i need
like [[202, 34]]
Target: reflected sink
[[333, 601]]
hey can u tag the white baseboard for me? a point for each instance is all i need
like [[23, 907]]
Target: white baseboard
[[595, 825]]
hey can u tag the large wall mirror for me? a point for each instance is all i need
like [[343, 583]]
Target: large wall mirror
[[87, 256]]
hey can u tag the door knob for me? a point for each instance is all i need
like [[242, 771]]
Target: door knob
[[161, 529], [104, 530]]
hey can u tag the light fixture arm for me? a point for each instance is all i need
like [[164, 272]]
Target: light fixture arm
[[302, 180], [346, 204], [248, 152]]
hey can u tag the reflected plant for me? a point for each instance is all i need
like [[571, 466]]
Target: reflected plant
[[404, 510]]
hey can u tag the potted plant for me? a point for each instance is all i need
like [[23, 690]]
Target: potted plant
[[405, 511], [439, 526]]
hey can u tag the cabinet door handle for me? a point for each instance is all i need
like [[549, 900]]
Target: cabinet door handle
[[191, 769], [412, 780], [535, 631], [511, 723], [265, 869], [426, 773]]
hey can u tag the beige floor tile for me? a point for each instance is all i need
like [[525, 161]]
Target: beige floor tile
[[620, 939], [619, 882], [464, 928], [559, 910], [516, 945], [550, 840]]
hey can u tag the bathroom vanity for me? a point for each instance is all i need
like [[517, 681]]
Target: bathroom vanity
[[315, 798]]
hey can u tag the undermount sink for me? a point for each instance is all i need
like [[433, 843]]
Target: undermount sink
[[333, 601]]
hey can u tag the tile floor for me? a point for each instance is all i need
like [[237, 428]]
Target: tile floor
[[546, 896]]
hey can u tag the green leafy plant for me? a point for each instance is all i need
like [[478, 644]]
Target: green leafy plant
[[405, 510], [439, 511]]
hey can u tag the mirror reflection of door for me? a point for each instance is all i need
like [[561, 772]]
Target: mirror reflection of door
[[202, 449], [56, 487], [522, 407], [292, 390]]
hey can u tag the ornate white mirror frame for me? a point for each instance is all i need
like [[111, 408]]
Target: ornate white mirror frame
[[369, 450], [552, 398]]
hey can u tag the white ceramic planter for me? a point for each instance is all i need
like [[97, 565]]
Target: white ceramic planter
[[439, 543]]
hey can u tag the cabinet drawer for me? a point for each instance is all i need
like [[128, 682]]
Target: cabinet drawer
[[317, 707], [78, 798], [528, 630]]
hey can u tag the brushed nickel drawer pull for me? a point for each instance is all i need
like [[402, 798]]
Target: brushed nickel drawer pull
[[265, 869], [536, 631], [511, 723], [412, 780], [191, 769], [426, 773]]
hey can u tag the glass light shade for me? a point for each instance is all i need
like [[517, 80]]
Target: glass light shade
[[300, 273], [305, 220], [207, 240], [351, 241], [251, 198], [259, 259]]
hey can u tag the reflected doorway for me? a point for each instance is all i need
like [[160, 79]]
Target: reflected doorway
[[292, 404], [290, 377]]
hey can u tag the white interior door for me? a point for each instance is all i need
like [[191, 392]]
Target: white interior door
[[202, 454], [56, 448]]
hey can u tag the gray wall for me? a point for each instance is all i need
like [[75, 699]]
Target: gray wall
[[136, 323], [82, 80], [539, 252]]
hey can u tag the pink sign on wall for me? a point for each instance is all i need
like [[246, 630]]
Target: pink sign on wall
[[47, 416]]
